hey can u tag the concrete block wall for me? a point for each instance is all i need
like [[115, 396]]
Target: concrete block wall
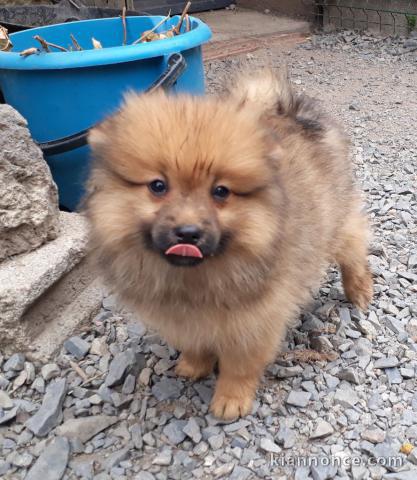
[[386, 20], [47, 294], [343, 17]]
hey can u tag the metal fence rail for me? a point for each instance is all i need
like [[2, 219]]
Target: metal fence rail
[[392, 17]]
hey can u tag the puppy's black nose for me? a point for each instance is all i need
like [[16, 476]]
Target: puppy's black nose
[[188, 234]]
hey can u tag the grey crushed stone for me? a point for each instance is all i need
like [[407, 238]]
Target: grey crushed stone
[[136, 435], [269, 446], [205, 393], [167, 389], [240, 473], [85, 428], [346, 396], [129, 384], [298, 399], [144, 476], [49, 371], [174, 431], [77, 347], [123, 364], [386, 362], [192, 430], [16, 363], [373, 435], [8, 415], [52, 462], [163, 458], [286, 437], [4, 467], [323, 472], [322, 429], [406, 475], [23, 460], [5, 401], [412, 457], [393, 376], [39, 385], [116, 457], [50, 413], [216, 441]]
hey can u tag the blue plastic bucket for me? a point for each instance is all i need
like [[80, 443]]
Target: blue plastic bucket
[[63, 93]]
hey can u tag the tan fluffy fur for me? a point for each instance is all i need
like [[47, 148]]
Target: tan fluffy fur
[[294, 211]]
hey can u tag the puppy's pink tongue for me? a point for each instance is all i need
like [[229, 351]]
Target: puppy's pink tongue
[[184, 250]]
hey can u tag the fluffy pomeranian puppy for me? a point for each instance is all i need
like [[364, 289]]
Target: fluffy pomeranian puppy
[[215, 217]]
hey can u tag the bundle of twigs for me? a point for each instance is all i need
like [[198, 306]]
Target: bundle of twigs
[[151, 35], [147, 36], [5, 43]]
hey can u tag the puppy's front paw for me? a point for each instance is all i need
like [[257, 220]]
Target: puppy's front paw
[[229, 406], [194, 368]]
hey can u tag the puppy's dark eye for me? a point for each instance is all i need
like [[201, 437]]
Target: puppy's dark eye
[[220, 192], [158, 187]]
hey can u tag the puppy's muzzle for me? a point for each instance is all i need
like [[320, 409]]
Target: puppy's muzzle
[[185, 245]]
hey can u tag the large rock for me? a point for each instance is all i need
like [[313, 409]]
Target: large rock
[[29, 213]]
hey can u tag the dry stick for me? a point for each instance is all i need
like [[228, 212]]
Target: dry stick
[[177, 29], [187, 23], [307, 355], [58, 47], [96, 44], [124, 25], [79, 370], [74, 4], [326, 330], [44, 44], [77, 46], [5, 43], [145, 34], [29, 51], [89, 380]]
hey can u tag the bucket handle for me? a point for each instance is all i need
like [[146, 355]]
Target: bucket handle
[[176, 64]]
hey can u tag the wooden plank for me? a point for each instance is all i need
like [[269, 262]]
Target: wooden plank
[[233, 47]]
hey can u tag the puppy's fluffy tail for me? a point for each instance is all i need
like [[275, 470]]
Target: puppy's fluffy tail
[[266, 90], [271, 94]]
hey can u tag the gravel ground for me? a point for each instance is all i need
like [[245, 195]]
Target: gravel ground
[[110, 406]]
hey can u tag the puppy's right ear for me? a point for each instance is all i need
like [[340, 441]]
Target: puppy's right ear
[[97, 137], [100, 137]]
